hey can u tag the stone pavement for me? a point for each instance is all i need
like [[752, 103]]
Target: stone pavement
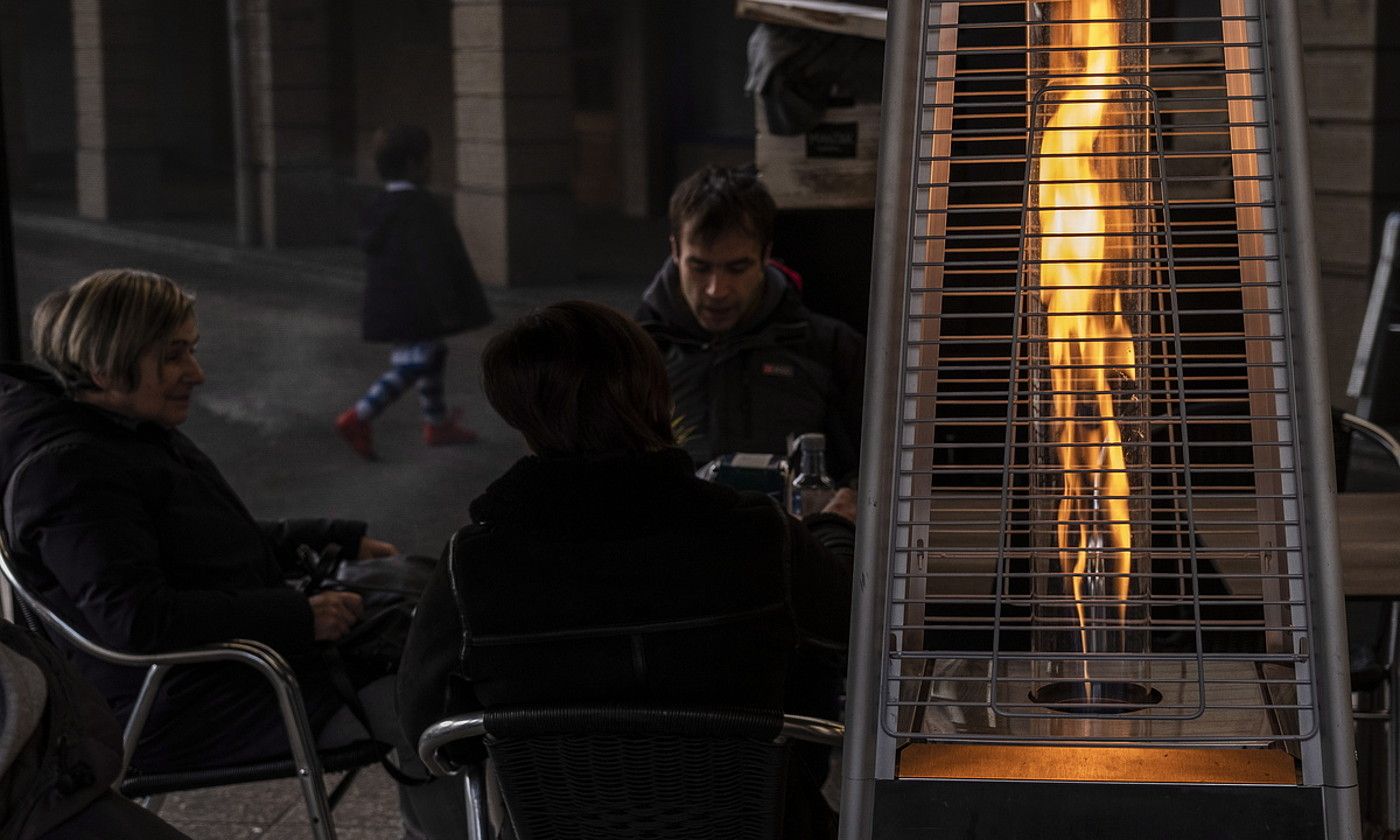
[[280, 345], [276, 810]]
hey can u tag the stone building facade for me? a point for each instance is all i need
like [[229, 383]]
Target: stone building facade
[[537, 109], [261, 112]]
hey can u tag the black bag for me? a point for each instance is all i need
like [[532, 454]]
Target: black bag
[[391, 588], [73, 754]]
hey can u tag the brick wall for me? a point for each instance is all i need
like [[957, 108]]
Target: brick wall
[[1351, 55], [514, 100]]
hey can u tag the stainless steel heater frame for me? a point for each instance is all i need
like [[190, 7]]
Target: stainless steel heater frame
[[876, 802]]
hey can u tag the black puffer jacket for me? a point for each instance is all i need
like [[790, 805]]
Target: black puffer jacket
[[624, 578], [420, 281], [784, 370], [129, 531], [60, 748]]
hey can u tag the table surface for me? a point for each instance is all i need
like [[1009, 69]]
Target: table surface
[[1369, 527]]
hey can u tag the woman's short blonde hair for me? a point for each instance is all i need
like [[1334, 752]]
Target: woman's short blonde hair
[[102, 324]]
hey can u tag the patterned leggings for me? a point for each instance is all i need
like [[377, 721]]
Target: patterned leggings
[[420, 363]]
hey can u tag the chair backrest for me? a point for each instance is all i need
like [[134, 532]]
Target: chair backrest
[[305, 764], [24, 614], [622, 773], [42, 619], [25, 601]]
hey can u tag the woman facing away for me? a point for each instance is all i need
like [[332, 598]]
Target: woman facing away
[[652, 586], [121, 524]]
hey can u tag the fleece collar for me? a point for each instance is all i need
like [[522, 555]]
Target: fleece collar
[[628, 490], [663, 305]]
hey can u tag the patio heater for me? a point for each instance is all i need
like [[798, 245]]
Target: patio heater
[[1098, 594]]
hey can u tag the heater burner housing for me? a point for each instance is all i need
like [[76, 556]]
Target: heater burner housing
[[1098, 548]]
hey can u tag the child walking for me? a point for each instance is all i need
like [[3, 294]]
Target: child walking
[[421, 287]]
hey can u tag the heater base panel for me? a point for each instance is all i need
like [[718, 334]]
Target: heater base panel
[[981, 810]]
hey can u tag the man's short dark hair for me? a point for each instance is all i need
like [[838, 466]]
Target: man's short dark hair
[[718, 199], [398, 146], [578, 377]]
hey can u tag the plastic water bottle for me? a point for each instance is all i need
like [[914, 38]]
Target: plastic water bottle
[[812, 488]]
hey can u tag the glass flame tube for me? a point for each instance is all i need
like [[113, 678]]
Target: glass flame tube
[[1086, 270]]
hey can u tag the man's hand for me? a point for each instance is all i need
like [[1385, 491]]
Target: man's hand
[[370, 548], [843, 504], [334, 613]]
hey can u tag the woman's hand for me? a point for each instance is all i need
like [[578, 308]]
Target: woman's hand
[[371, 548], [334, 613]]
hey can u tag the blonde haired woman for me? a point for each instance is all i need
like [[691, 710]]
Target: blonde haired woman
[[120, 523]]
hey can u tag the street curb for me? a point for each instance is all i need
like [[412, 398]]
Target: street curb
[[109, 234], [338, 278]]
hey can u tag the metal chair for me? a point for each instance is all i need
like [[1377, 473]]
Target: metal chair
[[1375, 682], [614, 773], [306, 764]]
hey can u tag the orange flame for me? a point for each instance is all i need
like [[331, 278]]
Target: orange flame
[[1089, 341]]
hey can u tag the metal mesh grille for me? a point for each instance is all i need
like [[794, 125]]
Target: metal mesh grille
[[1097, 534]]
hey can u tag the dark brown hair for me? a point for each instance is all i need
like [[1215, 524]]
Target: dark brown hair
[[578, 377], [396, 146], [103, 323], [718, 199]]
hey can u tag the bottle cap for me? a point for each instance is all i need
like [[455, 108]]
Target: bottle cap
[[812, 441]]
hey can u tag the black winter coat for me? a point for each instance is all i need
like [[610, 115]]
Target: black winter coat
[[129, 531], [624, 578], [784, 370], [74, 751], [420, 281]]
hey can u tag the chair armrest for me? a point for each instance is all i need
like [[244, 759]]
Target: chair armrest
[[814, 730], [444, 732], [261, 657], [448, 730], [255, 654], [1377, 434]]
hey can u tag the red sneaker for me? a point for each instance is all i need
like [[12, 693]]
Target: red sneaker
[[356, 433], [448, 432]]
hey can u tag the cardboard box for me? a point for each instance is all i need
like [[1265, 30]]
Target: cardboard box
[[865, 19], [833, 165]]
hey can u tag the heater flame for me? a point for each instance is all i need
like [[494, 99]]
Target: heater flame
[[1081, 204]]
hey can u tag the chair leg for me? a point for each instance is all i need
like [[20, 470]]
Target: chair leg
[[342, 787], [303, 744], [313, 790], [152, 803], [1392, 724], [478, 821]]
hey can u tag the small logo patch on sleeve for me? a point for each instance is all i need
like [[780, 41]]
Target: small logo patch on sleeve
[[777, 369]]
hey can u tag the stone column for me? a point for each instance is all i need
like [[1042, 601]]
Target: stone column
[[514, 103], [11, 42], [289, 96], [115, 61], [637, 107], [1350, 62]]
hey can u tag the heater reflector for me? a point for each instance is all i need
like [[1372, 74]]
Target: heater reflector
[[1098, 586], [1097, 535]]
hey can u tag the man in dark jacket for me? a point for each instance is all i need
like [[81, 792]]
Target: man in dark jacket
[[748, 363]]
